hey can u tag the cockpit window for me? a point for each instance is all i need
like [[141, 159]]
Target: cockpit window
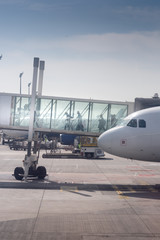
[[132, 123], [142, 123]]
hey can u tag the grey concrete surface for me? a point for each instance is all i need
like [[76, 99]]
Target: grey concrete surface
[[80, 199]]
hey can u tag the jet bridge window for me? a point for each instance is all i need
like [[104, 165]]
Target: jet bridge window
[[142, 123], [132, 123]]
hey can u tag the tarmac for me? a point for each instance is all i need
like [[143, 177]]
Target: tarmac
[[80, 199]]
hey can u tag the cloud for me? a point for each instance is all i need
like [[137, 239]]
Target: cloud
[[111, 42], [96, 79], [40, 5], [134, 46], [12, 2], [96, 66], [140, 11], [104, 79], [28, 4], [139, 47]]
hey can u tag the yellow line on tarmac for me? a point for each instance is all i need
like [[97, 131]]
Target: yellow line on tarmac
[[69, 188], [120, 194]]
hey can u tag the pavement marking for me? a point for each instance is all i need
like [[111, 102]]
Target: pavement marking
[[120, 194], [69, 188]]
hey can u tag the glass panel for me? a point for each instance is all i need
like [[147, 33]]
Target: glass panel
[[132, 123], [14, 114], [43, 113], [62, 115], [142, 123], [98, 118], [81, 112], [21, 111], [25, 111], [117, 113]]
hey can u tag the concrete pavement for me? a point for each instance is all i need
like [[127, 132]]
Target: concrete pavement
[[80, 199]]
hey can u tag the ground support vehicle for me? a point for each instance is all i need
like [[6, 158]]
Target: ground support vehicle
[[84, 147], [89, 148], [18, 145], [91, 152]]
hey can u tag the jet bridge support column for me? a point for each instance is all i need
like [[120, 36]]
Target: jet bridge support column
[[31, 160], [33, 101]]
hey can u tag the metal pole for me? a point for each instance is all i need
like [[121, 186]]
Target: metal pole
[[20, 76], [31, 159], [29, 85], [33, 100], [40, 83]]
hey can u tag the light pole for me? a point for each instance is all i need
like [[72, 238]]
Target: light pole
[[20, 76], [29, 84]]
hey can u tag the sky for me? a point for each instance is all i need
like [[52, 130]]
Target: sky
[[98, 49]]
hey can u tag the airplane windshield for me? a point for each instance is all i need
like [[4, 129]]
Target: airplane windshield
[[132, 123], [141, 123]]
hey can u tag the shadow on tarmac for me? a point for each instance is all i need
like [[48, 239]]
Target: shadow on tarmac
[[140, 191], [143, 194]]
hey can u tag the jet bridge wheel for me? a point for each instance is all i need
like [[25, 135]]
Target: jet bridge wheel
[[18, 173], [32, 171], [41, 172]]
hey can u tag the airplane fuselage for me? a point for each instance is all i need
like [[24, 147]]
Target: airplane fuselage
[[137, 138]]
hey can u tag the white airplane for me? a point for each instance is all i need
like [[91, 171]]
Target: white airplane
[[137, 137]]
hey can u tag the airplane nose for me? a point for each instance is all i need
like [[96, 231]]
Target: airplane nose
[[104, 142]]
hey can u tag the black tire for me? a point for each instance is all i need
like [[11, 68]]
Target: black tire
[[41, 172], [18, 173]]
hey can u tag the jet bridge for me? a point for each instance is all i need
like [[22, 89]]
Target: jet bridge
[[56, 115], [62, 115]]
